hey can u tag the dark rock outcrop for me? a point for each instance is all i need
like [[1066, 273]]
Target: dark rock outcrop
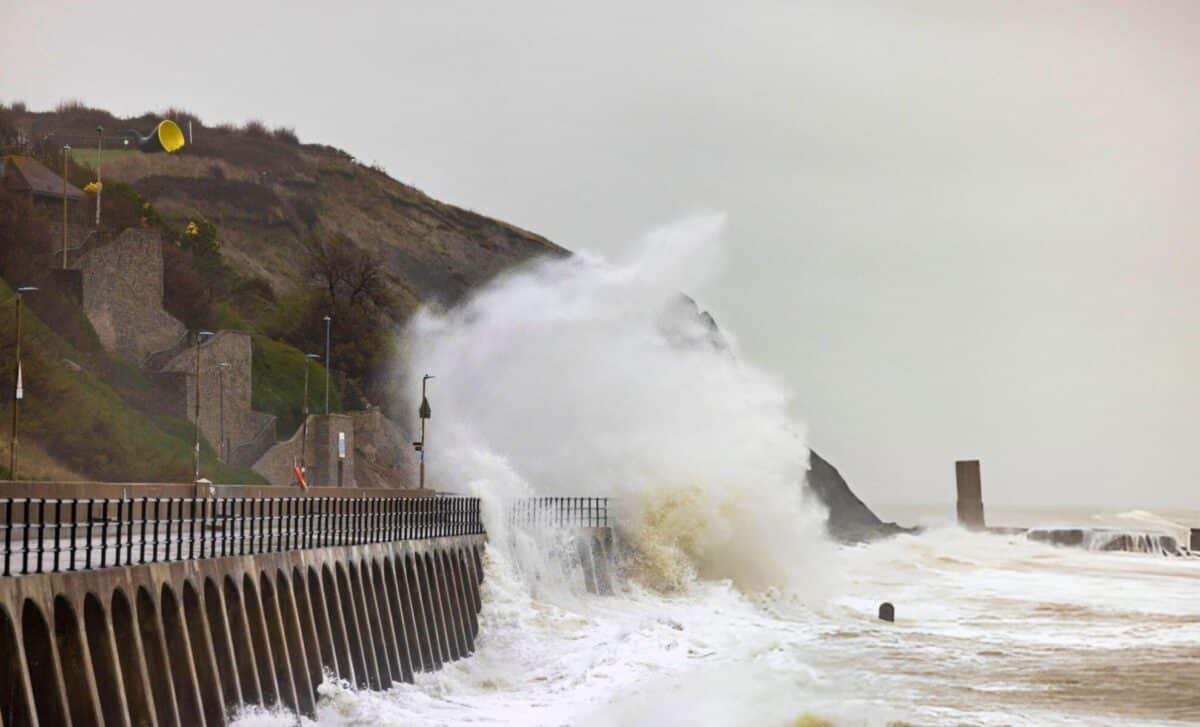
[[685, 325], [850, 520]]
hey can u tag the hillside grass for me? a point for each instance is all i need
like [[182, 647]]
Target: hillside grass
[[88, 157], [278, 384], [84, 423]]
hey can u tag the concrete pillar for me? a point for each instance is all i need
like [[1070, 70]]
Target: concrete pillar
[[322, 635], [293, 642], [362, 669], [404, 643], [392, 638], [244, 657], [437, 593], [308, 628], [369, 606], [347, 668], [462, 597], [79, 678], [970, 494], [415, 610]]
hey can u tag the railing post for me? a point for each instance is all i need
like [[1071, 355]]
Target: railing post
[[264, 534], [8, 504], [142, 554], [87, 558], [25, 539], [120, 523], [192, 537], [179, 541], [167, 537], [41, 547], [57, 530], [104, 533], [128, 528], [154, 540]]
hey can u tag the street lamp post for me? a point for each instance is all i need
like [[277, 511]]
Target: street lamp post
[[304, 429], [18, 392], [200, 335], [99, 181], [328, 323], [66, 152], [223, 447], [424, 413]]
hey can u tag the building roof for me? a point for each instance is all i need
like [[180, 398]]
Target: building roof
[[26, 174]]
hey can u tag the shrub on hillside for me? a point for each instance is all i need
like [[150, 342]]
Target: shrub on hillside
[[254, 127], [286, 134], [188, 290]]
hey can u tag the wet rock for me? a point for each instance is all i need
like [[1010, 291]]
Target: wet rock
[[887, 612], [850, 520]]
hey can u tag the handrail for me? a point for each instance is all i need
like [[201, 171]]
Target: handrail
[[48, 535], [560, 512]]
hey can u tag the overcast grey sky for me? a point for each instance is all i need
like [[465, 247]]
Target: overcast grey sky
[[957, 229]]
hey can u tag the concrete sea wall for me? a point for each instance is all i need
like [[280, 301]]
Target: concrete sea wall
[[191, 641]]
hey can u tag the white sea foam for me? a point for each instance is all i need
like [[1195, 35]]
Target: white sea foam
[[557, 380]]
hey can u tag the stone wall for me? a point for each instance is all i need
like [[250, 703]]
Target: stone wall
[[241, 423], [320, 453], [123, 293], [383, 455]]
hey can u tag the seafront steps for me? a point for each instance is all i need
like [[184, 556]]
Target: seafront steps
[[148, 604]]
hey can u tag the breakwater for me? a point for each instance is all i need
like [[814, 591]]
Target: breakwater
[[971, 516], [179, 610]]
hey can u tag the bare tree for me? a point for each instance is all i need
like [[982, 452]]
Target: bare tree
[[349, 275]]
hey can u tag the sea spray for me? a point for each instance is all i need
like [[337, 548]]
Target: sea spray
[[558, 379]]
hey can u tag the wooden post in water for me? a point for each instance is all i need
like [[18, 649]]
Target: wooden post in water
[[970, 494]]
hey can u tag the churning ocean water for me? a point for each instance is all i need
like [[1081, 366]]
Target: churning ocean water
[[990, 630], [586, 377]]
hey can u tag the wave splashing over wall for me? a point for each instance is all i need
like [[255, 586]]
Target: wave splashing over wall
[[579, 376]]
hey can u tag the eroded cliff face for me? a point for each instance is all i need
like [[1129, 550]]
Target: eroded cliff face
[[684, 324]]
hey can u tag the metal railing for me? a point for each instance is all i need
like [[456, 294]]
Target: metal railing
[[561, 512], [46, 535]]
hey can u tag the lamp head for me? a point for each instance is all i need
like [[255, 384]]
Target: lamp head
[[27, 289]]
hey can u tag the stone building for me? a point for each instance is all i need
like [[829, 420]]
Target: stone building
[[26, 175], [122, 285], [227, 420]]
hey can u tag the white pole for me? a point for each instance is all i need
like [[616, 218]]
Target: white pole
[[99, 182]]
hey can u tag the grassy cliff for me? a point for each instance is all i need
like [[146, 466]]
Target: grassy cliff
[[264, 234]]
